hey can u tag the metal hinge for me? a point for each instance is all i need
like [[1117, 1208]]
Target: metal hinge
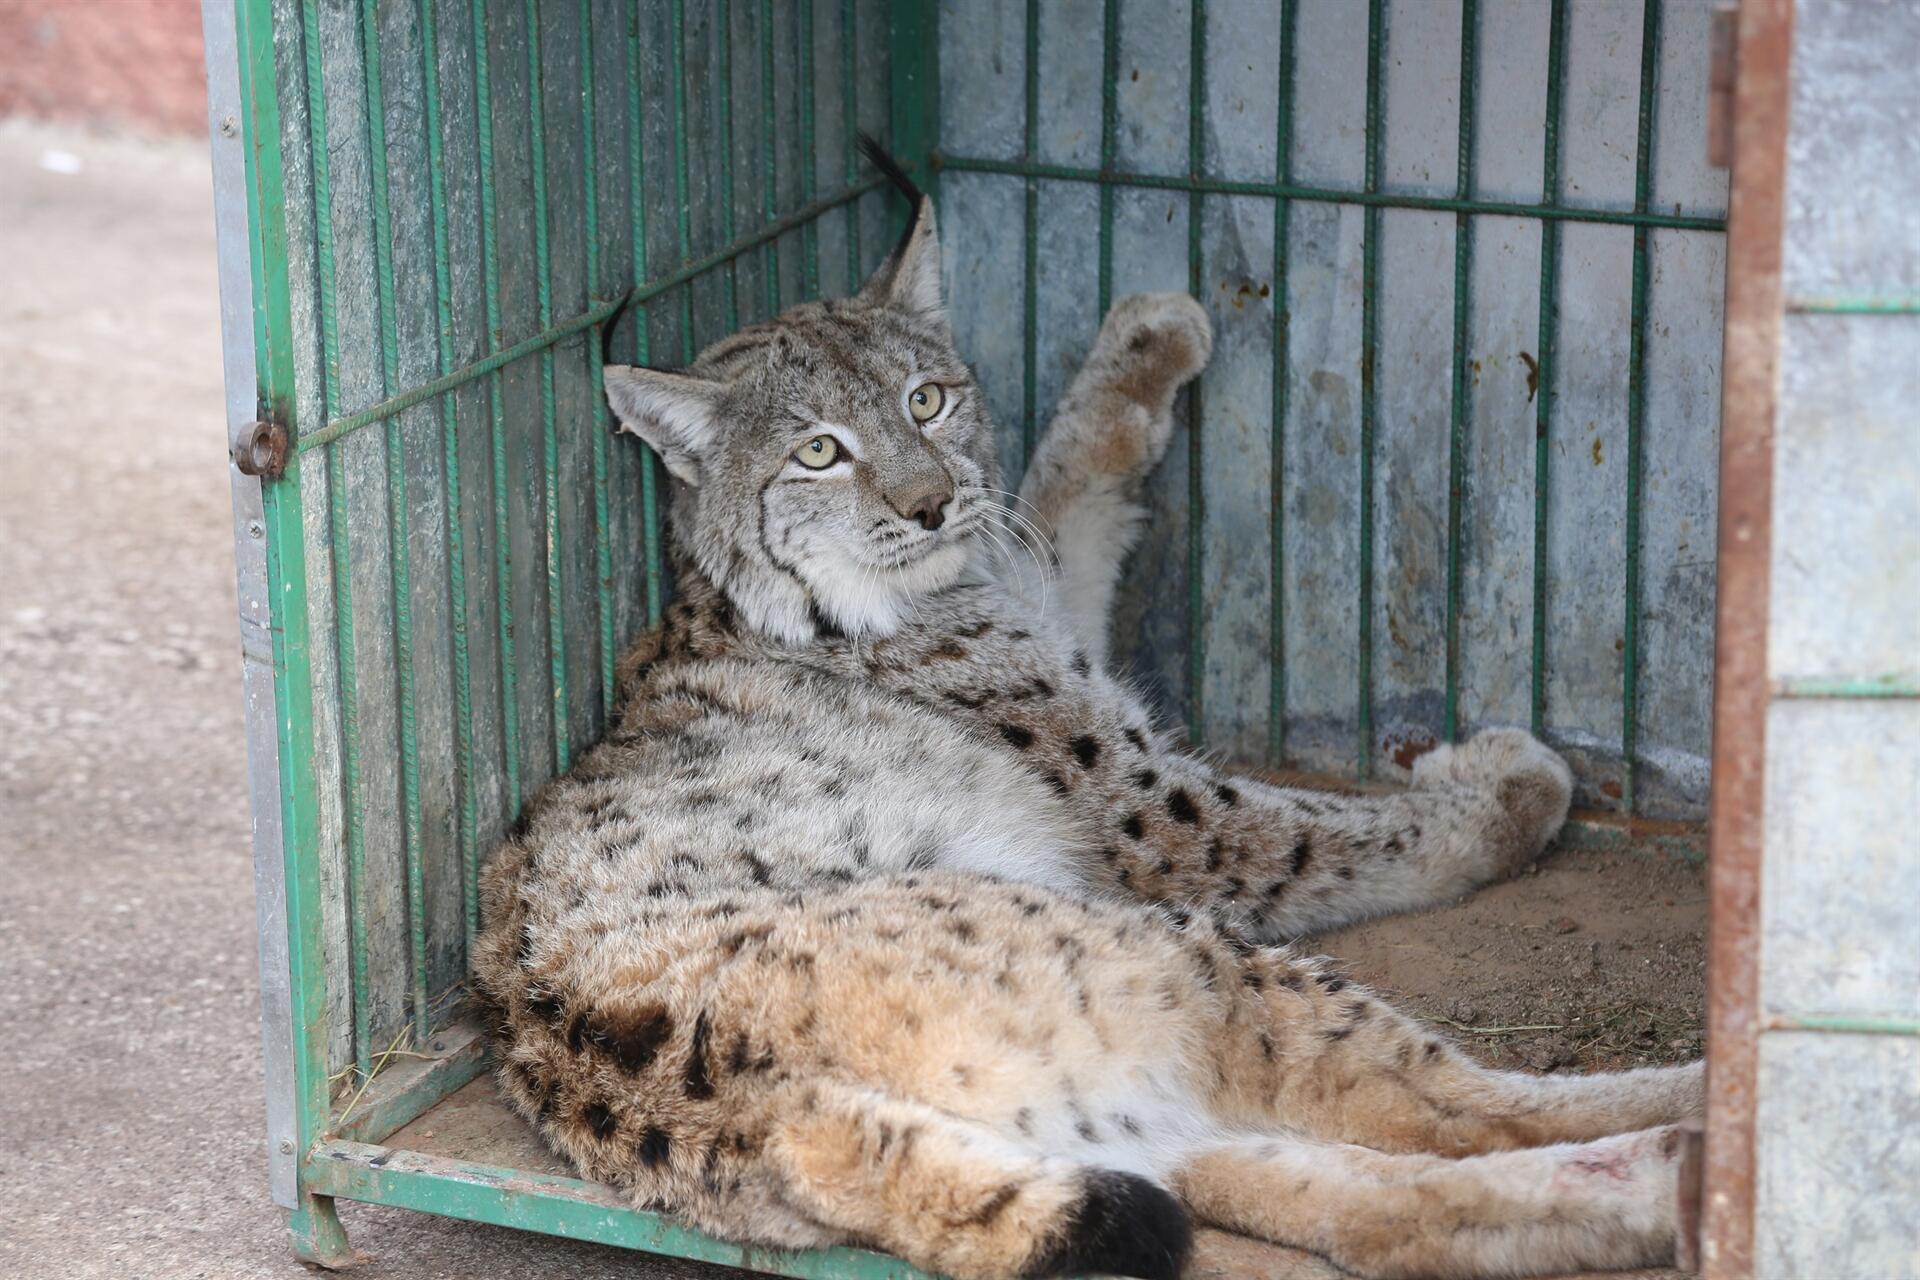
[[1721, 74], [260, 449]]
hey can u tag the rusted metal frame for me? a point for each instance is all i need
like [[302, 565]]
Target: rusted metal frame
[[1756, 224]]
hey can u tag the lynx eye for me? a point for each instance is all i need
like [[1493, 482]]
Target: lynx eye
[[926, 401], [818, 453]]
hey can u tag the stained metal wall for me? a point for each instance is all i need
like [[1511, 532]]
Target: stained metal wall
[[1407, 499]]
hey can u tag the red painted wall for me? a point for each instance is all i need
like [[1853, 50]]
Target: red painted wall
[[125, 63]]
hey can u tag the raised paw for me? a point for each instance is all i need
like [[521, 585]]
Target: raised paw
[[1151, 345], [1529, 781]]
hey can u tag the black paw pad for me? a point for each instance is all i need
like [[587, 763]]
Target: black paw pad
[[1124, 1225]]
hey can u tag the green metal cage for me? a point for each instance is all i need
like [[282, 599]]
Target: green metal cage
[[1443, 472]]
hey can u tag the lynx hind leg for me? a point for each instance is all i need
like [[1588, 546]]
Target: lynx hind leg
[[955, 1197], [1530, 784], [1323, 1058], [1108, 432], [1605, 1204]]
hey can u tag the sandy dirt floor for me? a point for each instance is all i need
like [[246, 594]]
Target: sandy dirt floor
[[131, 1123]]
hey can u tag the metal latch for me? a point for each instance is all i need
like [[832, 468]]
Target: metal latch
[[1724, 42], [260, 449]]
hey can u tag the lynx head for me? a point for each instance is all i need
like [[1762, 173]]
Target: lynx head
[[830, 464]]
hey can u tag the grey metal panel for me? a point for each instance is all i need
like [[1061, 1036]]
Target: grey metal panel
[[1681, 177], [986, 277], [1587, 510], [254, 597], [576, 399], [1066, 289], [1846, 558], [983, 99], [474, 415], [507, 40], [830, 139], [1839, 1172], [879, 226], [1853, 155], [416, 326], [626, 530], [1680, 513], [1070, 89], [379, 896], [1236, 466], [786, 132], [1841, 876]]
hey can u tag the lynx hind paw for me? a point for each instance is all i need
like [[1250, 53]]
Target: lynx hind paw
[[1155, 343], [1528, 779]]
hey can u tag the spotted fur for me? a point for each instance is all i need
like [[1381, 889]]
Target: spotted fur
[[885, 915]]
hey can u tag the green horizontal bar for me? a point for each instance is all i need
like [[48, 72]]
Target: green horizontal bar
[[1859, 1024], [585, 320], [1856, 305], [561, 1206], [1328, 195], [1847, 687]]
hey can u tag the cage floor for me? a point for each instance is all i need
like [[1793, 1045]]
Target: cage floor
[[1593, 960]]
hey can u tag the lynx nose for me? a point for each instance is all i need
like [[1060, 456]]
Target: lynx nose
[[930, 508]]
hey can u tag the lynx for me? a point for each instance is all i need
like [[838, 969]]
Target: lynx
[[884, 914]]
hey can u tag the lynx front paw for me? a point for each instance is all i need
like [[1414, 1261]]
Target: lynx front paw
[[1152, 344], [1528, 780]]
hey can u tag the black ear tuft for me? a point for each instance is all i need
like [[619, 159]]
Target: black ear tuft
[[883, 160], [611, 323], [1125, 1225]]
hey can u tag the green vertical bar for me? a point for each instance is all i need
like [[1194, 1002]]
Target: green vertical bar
[[1196, 414], [637, 205], [850, 93], [450, 450], [1457, 409], [913, 67], [677, 56], [1282, 324], [1637, 407], [1369, 323], [550, 461], [353, 807], [1549, 316], [267, 218], [1030, 260], [503, 555], [399, 548], [724, 102], [810, 233], [1109, 140], [590, 182], [769, 163]]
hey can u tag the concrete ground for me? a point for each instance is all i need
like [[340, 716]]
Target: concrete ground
[[131, 1126]]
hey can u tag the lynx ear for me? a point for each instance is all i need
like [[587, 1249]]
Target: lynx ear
[[676, 414], [909, 280]]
